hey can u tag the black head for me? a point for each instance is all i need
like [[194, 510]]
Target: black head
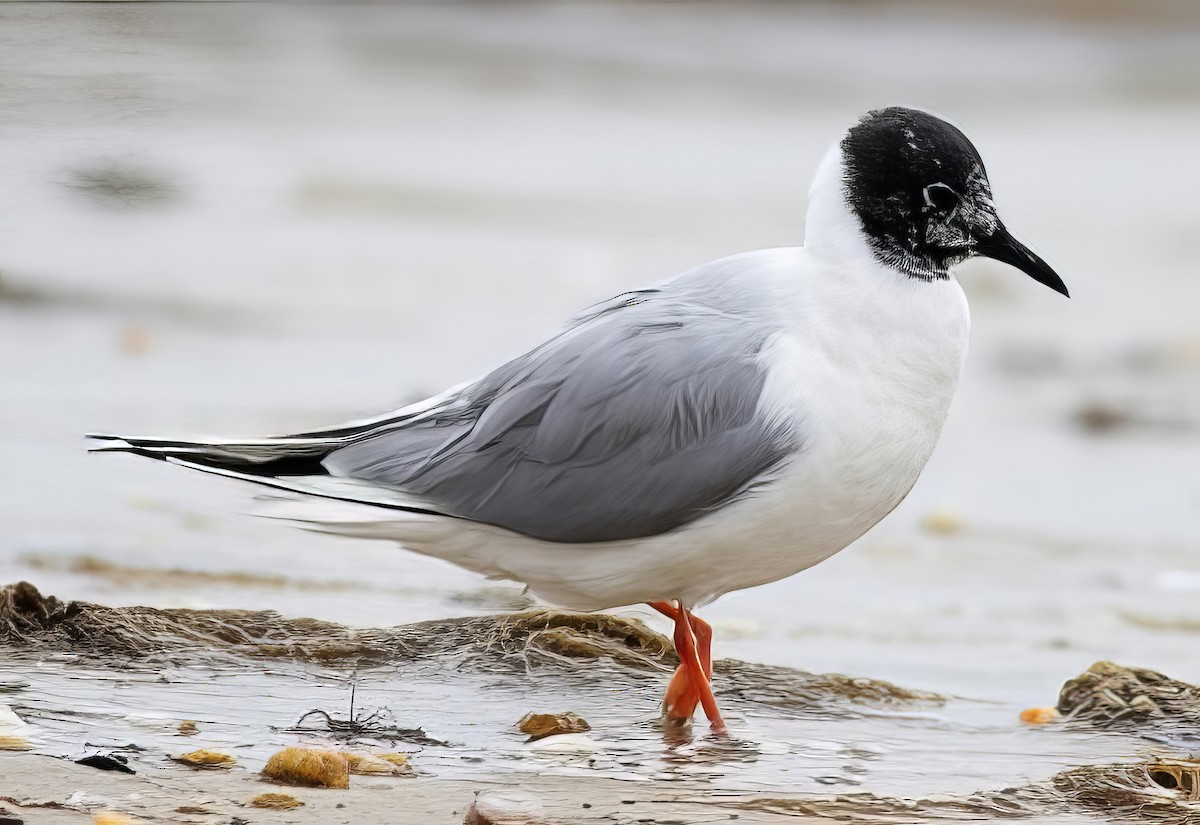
[[921, 193]]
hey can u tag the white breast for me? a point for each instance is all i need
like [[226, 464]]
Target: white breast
[[864, 373]]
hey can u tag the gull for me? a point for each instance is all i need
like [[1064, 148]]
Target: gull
[[726, 428]]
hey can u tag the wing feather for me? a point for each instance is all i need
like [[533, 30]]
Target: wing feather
[[638, 420]]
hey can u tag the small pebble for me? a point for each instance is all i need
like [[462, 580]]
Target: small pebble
[[505, 807], [569, 743], [276, 802], [541, 725], [106, 762], [1040, 716]]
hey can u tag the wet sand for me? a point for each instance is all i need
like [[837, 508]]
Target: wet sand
[[421, 799]]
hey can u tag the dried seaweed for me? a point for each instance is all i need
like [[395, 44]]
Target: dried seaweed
[[33, 621], [373, 726], [781, 687], [1164, 792], [516, 643], [123, 185], [1134, 700], [869, 808]]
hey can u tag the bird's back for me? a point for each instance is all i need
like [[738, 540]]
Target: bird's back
[[637, 419]]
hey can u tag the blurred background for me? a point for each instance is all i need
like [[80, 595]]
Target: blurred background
[[235, 220]]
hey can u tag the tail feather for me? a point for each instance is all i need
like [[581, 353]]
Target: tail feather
[[288, 455], [288, 464], [293, 464]]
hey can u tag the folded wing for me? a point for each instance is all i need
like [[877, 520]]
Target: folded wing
[[641, 418]]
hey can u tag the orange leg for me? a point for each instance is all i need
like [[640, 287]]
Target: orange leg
[[681, 700], [690, 684], [702, 629]]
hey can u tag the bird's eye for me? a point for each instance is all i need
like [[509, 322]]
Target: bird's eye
[[941, 197]]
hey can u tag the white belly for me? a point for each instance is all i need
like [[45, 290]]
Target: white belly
[[844, 482], [829, 496]]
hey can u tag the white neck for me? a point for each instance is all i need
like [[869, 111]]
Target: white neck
[[925, 324], [832, 234]]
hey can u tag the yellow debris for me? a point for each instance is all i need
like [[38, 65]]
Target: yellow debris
[[188, 728], [112, 818], [309, 767], [14, 743], [362, 764], [943, 522], [1040, 716], [206, 759], [400, 760], [275, 801]]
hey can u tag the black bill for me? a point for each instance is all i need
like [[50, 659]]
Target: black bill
[[1002, 246]]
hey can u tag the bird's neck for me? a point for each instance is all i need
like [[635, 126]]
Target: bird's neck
[[922, 326], [833, 235]]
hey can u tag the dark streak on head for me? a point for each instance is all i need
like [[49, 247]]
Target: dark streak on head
[[919, 189]]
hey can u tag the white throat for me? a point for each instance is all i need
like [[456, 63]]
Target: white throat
[[856, 304], [832, 233]]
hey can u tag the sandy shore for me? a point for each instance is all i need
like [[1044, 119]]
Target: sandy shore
[[52, 791]]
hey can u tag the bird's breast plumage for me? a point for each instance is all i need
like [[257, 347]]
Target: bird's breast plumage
[[862, 367]]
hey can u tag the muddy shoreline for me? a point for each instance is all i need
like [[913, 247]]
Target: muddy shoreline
[[49, 646]]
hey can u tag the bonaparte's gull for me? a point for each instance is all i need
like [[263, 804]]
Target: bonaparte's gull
[[723, 429]]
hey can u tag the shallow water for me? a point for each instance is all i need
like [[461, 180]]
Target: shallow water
[[453, 705], [247, 714], [261, 219]]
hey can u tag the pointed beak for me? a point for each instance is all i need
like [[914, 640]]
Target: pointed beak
[[1002, 246]]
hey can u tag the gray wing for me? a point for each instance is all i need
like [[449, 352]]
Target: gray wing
[[636, 420]]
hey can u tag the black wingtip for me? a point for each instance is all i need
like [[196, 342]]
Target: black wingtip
[[122, 447], [119, 444]]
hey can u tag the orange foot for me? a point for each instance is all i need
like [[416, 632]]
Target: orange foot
[[690, 685]]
